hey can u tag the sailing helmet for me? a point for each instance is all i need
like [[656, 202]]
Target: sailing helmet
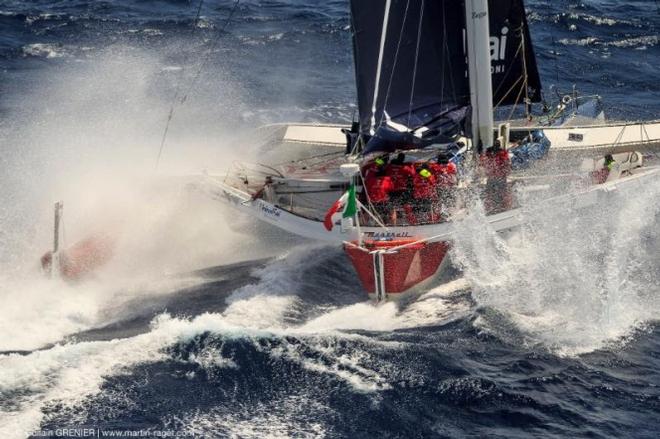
[[424, 172], [444, 157]]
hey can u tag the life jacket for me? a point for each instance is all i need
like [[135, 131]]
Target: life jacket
[[378, 188], [400, 175], [424, 188], [497, 165]]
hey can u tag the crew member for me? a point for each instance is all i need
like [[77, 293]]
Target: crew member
[[601, 175], [369, 171], [378, 186], [376, 166], [497, 167], [401, 174], [445, 171], [425, 195], [446, 175]]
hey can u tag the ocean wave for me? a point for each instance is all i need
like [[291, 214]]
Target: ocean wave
[[149, 32], [600, 20], [631, 42], [31, 19], [587, 41], [642, 41], [44, 50]]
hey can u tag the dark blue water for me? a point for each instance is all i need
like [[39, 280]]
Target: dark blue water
[[556, 336]]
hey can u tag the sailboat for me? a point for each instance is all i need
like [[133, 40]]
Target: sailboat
[[431, 75]]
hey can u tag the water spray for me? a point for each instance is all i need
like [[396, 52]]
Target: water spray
[[193, 82]]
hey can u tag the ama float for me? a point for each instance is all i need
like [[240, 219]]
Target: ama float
[[80, 260], [391, 189]]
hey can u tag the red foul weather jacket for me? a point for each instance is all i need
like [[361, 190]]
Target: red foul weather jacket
[[378, 188]]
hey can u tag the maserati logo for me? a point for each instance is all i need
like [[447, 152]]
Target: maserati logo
[[498, 46]]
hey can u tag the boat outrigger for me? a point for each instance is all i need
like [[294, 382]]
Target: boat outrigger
[[392, 187], [80, 260]]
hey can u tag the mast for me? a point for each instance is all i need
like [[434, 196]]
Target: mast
[[479, 70]]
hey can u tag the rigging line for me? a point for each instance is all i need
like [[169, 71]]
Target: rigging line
[[369, 203], [526, 80], [513, 107], [192, 34], [197, 74], [618, 139], [508, 71], [515, 84], [396, 58], [178, 86], [514, 59], [648, 140], [210, 51], [419, 43]]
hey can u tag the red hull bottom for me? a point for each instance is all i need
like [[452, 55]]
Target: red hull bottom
[[401, 270], [81, 259]]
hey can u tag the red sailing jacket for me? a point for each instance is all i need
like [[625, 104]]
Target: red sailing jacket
[[445, 174], [425, 188], [378, 188], [400, 175], [496, 165]]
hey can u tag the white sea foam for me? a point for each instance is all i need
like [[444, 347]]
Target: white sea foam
[[587, 41], [275, 420], [43, 50], [40, 311], [643, 41], [431, 308], [69, 374]]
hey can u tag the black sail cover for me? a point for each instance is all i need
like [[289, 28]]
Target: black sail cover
[[423, 75]]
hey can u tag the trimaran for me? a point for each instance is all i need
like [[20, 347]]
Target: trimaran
[[431, 76]]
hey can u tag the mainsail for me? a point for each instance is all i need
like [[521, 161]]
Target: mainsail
[[410, 60]]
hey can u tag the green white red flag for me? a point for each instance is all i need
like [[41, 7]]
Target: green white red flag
[[346, 205]]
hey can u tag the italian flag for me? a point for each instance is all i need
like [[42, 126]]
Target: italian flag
[[347, 204]]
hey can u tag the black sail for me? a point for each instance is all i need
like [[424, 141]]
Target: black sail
[[423, 73], [414, 77], [513, 63]]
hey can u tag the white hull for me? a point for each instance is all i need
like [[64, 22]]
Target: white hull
[[613, 137], [312, 229]]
